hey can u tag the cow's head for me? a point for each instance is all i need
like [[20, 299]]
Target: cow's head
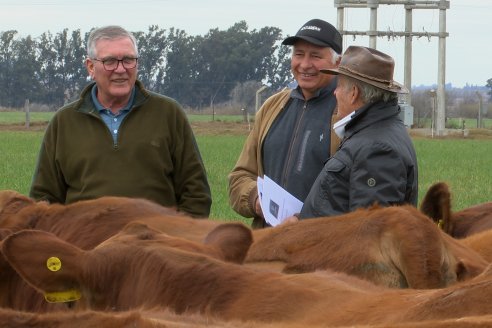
[[138, 257]]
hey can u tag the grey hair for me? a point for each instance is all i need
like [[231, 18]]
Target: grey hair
[[334, 56], [370, 93], [111, 32]]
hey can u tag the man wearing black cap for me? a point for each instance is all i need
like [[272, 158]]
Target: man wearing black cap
[[376, 161], [292, 135]]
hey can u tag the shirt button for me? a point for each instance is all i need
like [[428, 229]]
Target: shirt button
[[115, 131], [115, 119]]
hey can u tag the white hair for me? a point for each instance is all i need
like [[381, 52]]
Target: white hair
[[111, 32]]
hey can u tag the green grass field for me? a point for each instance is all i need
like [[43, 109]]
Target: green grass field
[[18, 117], [465, 165]]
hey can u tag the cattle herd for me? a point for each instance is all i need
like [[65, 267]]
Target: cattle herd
[[121, 262]]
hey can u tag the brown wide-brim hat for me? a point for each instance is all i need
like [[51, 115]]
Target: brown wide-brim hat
[[370, 66]]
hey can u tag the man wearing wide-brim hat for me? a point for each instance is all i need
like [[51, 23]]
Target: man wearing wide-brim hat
[[376, 160]]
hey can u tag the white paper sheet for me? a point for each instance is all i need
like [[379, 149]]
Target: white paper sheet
[[276, 203]]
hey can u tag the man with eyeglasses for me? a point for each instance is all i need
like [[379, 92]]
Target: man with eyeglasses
[[119, 139]]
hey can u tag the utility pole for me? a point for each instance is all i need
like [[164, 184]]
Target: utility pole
[[373, 33]]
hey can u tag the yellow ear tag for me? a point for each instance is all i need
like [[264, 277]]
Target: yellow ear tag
[[53, 264], [440, 223], [62, 297]]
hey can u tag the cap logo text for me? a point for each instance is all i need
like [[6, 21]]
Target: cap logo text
[[311, 27]]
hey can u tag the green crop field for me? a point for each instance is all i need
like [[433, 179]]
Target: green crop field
[[465, 164]]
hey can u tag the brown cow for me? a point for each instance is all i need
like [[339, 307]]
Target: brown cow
[[85, 319], [228, 241], [437, 205], [481, 243], [472, 220], [121, 275], [394, 246], [167, 319], [126, 319], [87, 223], [19, 212]]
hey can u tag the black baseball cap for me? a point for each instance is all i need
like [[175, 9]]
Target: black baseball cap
[[318, 32]]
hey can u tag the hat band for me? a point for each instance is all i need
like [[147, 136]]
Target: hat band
[[365, 76]]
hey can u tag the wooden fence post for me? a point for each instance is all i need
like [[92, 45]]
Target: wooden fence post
[[28, 114]]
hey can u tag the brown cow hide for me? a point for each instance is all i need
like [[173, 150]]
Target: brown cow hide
[[472, 220], [167, 319], [481, 243], [126, 319], [119, 275], [85, 224], [395, 246], [86, 319], [88, 223], [228, 242], [77, 222]]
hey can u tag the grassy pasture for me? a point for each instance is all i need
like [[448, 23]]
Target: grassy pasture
[[19, 117], [464, 164]]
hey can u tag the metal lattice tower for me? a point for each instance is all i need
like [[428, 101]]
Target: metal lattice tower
[[373, 33]]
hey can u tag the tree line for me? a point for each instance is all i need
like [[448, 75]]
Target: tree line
[[198, 71]]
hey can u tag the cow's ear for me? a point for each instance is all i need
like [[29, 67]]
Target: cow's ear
[[466, 270], [436, 204], [49, 264], [233, 240]]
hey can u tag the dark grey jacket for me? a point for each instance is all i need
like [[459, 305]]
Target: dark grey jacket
[[375, 163], [297, 144]]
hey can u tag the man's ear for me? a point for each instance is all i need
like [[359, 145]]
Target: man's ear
[[89, 64], [354, 94], [339, 59]]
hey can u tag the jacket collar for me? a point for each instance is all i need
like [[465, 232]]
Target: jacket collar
[[85, 104], [369, 114], [321, 93]]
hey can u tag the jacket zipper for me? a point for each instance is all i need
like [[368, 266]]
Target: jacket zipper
[[292, 142], [115, 143]]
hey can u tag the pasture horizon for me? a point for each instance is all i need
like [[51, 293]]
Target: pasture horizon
[[464, 164], [18, 117]]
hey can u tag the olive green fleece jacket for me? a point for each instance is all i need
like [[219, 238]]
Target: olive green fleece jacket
[[155, 156]]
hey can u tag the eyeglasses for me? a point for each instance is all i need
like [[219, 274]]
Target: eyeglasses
[[110, 64]]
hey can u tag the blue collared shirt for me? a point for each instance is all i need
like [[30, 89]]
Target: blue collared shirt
[[112, 121]]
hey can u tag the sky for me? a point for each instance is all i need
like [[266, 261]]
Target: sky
[[468, 47]]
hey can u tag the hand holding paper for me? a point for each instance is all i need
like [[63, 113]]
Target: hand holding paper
[[276, 203]]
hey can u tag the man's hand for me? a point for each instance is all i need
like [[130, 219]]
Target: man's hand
[[258, 210], [290, 219]]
